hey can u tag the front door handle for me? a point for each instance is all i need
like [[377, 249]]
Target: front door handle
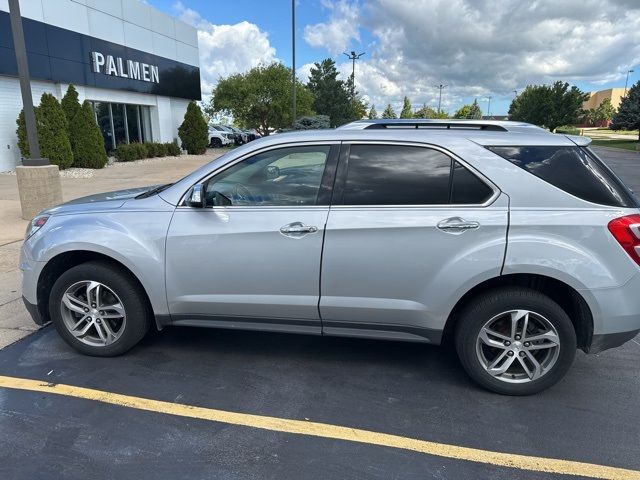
[[297, 229], [457, 225]]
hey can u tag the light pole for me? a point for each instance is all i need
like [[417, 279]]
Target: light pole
[[489, 97], [353, 56], [293, 57], [38, 181], [440, 87], [626, 82], [25, 87]]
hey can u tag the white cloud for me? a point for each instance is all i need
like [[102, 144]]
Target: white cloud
[[337, 34], [481, 47], [226, 49]]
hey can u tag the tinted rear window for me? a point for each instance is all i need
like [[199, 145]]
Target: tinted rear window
[[397, 175], [572, 169]]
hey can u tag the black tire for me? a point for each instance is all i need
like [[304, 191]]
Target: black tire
[[487, 306], [215, 142], [130, 293]]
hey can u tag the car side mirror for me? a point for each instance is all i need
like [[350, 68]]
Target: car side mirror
[[195, 197]]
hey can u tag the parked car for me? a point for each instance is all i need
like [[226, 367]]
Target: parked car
[[519, 245], [252, 134], [219, 138], [240, 137], [237, 137]]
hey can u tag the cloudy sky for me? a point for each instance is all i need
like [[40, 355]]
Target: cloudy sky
[[477, 48]]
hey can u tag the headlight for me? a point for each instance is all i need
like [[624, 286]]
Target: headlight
[[35, 225]]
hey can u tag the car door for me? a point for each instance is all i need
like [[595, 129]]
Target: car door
[[411, 228], [251, 257]]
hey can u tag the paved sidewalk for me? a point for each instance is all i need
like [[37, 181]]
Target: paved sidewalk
[[14, 319]]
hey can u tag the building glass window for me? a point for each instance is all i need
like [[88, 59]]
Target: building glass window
[[133, 126], [122, 123], [145, 120], [103, 119], [119, 125]]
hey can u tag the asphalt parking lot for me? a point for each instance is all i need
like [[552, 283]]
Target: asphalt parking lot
[[271, 407]]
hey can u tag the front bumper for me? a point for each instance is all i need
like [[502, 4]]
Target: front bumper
[[34, 312], [30, 274]]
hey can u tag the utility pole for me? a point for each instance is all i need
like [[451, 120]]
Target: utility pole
[[38, 181], [441, 86], [293, 57], [489, 97], [25, 87], [626, 82], [353, 56]]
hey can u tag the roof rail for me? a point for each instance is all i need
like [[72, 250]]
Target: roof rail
[[444, 125], [440, 124]]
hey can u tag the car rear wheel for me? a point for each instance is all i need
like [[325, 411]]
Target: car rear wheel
[[215, 142], [515, 341], [98, 309]]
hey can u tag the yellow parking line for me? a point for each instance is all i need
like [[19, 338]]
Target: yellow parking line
[[325, 430]]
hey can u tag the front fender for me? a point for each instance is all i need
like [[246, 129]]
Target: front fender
[[133, 239]]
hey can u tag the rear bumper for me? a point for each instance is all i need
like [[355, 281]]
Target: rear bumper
[[603, 342], [616, 314]]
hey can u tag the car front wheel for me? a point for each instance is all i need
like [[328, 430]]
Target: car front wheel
[[515, 341], [98, 309]]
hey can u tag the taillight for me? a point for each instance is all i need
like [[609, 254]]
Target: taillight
[[626, 230]]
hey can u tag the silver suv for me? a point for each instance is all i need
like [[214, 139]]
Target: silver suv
[[518, 245]]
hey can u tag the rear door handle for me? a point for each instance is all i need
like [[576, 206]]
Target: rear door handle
[[457, 225], [297, 229]]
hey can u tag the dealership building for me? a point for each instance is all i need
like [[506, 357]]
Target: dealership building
[[137, 66]]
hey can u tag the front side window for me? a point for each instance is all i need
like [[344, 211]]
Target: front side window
[[407, 175], [283, 177], [571, 169]]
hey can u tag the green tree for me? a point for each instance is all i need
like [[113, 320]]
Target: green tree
[[388, 112], [475, 111], [373, 114], [469, 111], [71, 106], [628, 115], [548, 105], [53, 136], [315, 122], [88, 146], [331, 96], [193, 131], [406, 109], [425, 112], [21, 133], [463, 112], [260, 98], [604, 112], [357, 106]]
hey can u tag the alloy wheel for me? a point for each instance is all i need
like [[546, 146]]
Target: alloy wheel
[[93, 313], [518, 346]]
